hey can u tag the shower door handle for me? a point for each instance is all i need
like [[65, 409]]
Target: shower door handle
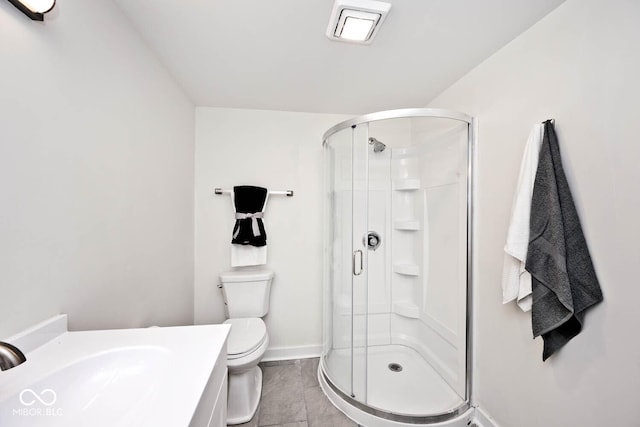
[[359, 271]]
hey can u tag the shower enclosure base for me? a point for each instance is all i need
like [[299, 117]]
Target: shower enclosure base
[[374, 418], [414, 391]]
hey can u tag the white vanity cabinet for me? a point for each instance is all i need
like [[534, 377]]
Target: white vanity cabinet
[[212, 408], [162, 377]]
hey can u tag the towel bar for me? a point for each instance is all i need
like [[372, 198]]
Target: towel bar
[[288, 193]]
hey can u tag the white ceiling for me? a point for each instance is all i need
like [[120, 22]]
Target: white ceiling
[[273, 54]]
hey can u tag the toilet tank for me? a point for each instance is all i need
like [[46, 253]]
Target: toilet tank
[[246, 292]]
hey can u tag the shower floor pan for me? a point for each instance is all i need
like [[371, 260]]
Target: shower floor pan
[[414, 390]]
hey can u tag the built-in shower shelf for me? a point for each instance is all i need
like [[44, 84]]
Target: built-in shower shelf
[[406, 184], [406, 309], [406, 269], [407, 224]]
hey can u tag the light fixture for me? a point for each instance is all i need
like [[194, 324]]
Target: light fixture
[[34, 9], [356, 21]]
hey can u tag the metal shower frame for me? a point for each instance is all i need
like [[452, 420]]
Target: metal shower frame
[[472, 131]]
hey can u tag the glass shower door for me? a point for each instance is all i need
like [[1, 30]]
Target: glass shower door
[[360, 258], [345, 340]]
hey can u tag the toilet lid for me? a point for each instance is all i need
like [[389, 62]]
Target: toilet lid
[[246, 335]]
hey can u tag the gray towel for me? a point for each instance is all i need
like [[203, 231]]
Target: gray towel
[[564, 281]]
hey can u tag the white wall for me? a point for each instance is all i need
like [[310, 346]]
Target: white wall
[[579, 65], [280, 151], [96, 174]]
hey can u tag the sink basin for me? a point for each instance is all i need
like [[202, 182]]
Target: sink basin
[[113, 381], [128, 377]]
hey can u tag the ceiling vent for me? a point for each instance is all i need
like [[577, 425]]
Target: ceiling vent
[[356, 21]]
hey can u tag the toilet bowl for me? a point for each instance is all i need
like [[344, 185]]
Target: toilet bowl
[[246, 295], [247, 344]]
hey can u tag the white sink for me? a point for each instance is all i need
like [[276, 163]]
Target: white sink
[[127, 377]]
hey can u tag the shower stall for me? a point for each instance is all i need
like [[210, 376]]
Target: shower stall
[[397, 342]]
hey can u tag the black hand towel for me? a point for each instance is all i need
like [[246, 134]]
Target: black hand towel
[[249, 203], [564, 281]]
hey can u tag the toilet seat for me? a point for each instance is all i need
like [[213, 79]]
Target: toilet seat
[[247, 335]]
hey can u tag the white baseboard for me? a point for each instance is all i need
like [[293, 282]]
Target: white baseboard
[[289, 353], [482, 419]]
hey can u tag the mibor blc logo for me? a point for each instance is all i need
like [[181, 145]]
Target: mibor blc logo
[[38, 404], [47, 397]]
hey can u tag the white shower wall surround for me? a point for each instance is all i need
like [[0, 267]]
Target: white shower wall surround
[[411, 306]]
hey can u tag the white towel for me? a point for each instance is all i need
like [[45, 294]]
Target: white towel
[[244, 255], [516, 281]]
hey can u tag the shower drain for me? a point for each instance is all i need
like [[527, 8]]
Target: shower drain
[[395, 367]]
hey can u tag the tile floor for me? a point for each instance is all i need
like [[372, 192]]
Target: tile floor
[[291, 397]]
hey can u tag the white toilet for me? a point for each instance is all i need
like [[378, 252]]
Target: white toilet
[[246, 296]]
